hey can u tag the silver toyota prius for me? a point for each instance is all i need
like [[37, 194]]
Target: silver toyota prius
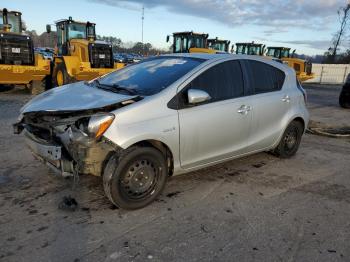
[[165, 116]]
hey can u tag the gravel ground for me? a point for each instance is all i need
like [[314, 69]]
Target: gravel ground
[[258, 208]]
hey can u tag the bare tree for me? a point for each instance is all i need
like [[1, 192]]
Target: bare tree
[[344, 17]]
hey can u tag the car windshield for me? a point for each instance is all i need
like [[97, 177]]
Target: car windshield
[[150, 76]]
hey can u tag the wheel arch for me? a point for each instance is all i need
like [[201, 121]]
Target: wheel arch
[[162, 147], [297, 118], [300, 120]]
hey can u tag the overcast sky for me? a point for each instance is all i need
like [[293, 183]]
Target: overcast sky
[[305, 25]]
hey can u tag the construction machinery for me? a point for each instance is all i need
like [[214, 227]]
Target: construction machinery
[[79, 56], [250, 49], [302, 67], [190, 42], [219, 45], [19, 65]]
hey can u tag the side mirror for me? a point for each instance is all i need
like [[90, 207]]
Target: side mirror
[[48, 29], [167, 38], [196, 96]]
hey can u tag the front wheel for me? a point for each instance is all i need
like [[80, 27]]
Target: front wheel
[[290, 141], [135, 178]]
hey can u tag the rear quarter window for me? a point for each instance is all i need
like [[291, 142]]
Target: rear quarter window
[[263, 77]]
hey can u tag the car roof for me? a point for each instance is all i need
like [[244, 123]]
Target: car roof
[[218, 57], [215, 57]]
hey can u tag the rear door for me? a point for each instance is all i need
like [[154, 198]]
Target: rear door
[[270, 103], [219, 128]]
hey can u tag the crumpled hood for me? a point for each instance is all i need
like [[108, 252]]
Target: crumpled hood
[[73, 97]]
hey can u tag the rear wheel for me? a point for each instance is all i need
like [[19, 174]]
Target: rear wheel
[[290, 141], [135, 178], [60, 76]]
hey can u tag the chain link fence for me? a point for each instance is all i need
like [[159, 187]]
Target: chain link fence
[[329, 74]]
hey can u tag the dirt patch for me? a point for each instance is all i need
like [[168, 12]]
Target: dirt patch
[[333, 192]]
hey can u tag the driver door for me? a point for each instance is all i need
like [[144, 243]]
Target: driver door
[[219, 128]]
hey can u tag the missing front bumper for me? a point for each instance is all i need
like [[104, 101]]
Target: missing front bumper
[[49, 154]]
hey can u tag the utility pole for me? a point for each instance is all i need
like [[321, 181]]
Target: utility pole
[[142, 18]]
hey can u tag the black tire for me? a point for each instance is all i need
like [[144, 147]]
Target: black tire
[[61, 68], [344, 101], [47, 82], [290, 140], [135, 178]]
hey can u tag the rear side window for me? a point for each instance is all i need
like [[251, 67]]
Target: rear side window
[[221, 82], [263, 77]]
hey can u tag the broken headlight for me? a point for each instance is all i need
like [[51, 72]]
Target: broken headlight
[[96, 125]]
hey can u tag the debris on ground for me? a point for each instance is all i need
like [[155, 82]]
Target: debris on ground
[[170, 195], [68, 203], [318, 128]]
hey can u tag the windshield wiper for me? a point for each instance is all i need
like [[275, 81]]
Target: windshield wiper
[[115, 88]]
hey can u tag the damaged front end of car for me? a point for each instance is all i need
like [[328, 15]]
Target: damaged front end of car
[[69, 143], [64, 127]]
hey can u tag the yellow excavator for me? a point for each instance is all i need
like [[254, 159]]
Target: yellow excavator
[[19, 65], [79, 56], [190, 42], [219, 45], [302, 67]]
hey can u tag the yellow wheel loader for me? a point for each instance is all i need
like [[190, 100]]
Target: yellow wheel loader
[[219, 45], [79, 56], [19, 65], [189, 42], [302, 67]]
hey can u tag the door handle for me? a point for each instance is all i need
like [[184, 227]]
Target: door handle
[[286, 99], [244, 109]]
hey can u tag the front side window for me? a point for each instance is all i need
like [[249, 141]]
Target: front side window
[[150, 76], [223, 81], [76, 31], [263, 77]]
